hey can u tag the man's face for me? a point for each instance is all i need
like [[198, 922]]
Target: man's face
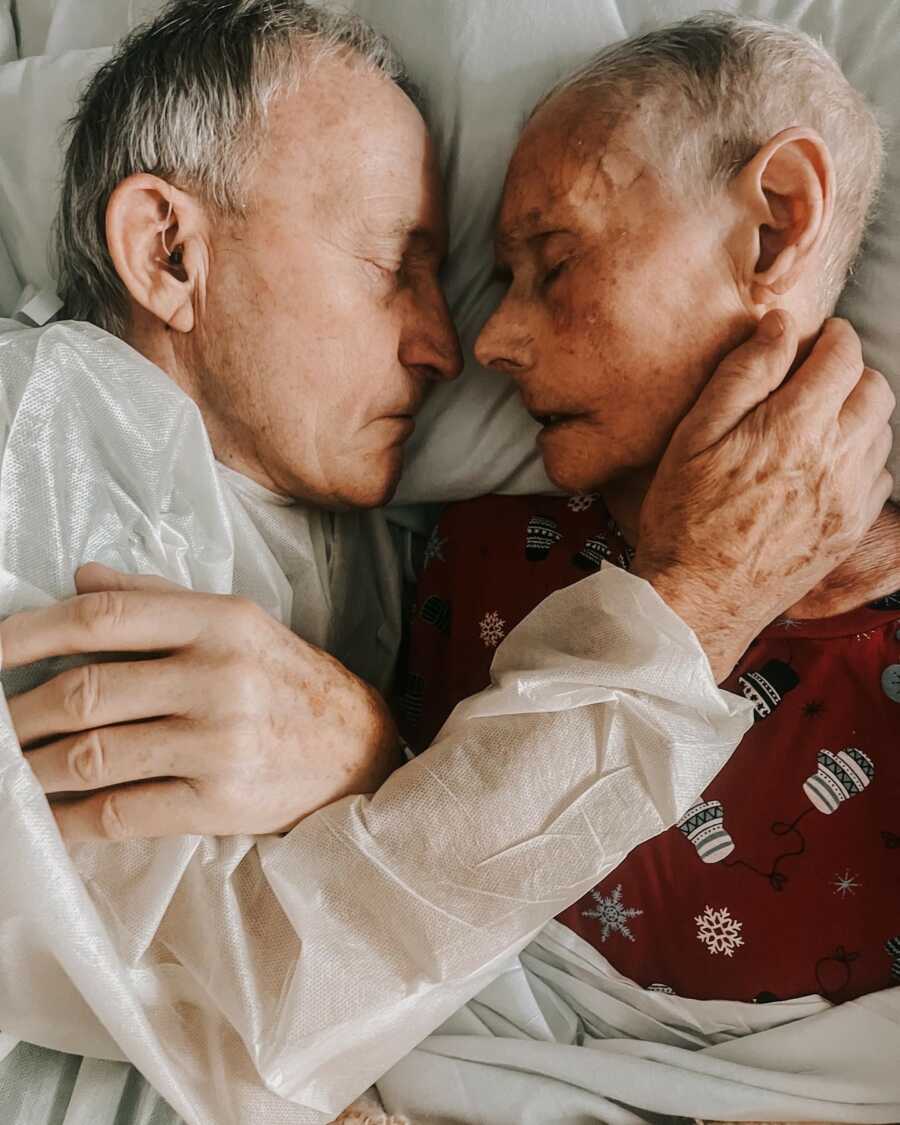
[[621, 296], [324, 322]]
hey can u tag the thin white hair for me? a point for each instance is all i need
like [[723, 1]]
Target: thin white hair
[[710, 91], [186, 98]]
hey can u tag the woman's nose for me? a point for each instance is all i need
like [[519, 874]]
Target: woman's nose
[[502, 345]]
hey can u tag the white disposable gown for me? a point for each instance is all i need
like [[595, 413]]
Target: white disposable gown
[[272, 979]]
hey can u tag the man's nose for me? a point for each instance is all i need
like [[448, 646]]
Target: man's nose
[[503, 345], [432, 347]]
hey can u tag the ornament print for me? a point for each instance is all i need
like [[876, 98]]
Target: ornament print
[[612, 915], [582, 501], [704, 826], [542, 534], [434, 548], [718, 931], [436, 611], [890, 682], [592, 554], [845, 884], [766, 687], [492, 628], [838, 778]]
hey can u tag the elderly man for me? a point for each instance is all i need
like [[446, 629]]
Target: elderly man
[[308, 398]]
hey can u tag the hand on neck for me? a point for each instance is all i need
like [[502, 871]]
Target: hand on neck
[[871, 572]]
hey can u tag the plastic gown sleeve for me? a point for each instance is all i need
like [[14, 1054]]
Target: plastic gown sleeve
[[272, 979], [601, 728]]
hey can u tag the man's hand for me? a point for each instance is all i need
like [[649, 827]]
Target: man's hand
[[255, 729], [767, 485]]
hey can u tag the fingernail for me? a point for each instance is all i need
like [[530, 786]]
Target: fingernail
[[771, 326]]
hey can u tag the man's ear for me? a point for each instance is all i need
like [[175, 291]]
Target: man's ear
[[787, 194], [156, 239]]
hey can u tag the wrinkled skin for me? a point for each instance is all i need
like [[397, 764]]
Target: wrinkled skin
[[285, 699], [309, 328], [763, 490], [815, 470], [617, 309], [260, 729], [624, 295]]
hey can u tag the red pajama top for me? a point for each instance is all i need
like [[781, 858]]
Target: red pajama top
[[784, 878]]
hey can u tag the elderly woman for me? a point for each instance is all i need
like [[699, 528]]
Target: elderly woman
[[699, 176]]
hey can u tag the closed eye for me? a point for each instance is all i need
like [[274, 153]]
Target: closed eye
[[554, 272]]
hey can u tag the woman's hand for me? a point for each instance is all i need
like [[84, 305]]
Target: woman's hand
[[768, 484]]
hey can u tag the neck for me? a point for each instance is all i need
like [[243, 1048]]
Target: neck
[[624, 498], [233, 447], [871, 572]]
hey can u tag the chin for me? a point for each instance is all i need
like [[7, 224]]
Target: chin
[[375, 485], [577, 462], [570, 477]]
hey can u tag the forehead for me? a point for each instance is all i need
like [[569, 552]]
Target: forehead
[[348, 144], [568, 166]]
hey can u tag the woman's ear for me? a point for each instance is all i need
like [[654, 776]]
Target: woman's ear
[[787, 193], [155, 234]]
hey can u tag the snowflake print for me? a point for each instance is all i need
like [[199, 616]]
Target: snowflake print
[[845, 884], [493, 629], [612, 915], [434, 548], [814, 709], [582, 501], [719, 931], [788, 623]]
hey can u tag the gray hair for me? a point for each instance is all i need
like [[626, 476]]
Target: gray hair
[[186, 98], [710, 91]]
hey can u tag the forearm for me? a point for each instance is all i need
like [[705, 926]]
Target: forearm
[[319, 958], [603, 725]]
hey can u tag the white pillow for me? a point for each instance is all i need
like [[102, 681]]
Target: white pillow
[[482, 66], [36, 97], [7, 33], [50, 27]]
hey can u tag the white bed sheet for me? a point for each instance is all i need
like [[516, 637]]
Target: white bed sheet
[[469, 54]]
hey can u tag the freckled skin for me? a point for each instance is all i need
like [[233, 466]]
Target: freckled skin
[[625, 295], [651, 291], [609, 338]]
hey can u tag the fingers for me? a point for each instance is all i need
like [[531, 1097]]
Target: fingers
[[96, 759], [879, 451], [881, 494], [98, 695], [744, 379], [105, 621], [146, 809], [94, 576], [828, 375], [869, 405]]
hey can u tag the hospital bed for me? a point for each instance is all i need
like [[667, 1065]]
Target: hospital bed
[[482, 64]]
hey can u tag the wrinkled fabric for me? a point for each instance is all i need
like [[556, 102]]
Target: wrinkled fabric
[[273, 979], [561, 1038]]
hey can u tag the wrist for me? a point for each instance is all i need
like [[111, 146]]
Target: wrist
[[719, 623]]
